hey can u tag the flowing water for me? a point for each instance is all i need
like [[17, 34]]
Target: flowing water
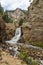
[[17, 36], [15, 39]]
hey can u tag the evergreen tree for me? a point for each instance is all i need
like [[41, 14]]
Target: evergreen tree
[[1, 9]]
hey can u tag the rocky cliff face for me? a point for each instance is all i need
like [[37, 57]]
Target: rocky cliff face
[[10, 30], [2, 30], [16, 15], [7, 30], [35, 20]]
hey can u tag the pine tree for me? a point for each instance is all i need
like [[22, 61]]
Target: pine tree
[[1, 9]]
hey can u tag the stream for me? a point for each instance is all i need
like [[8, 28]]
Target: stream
[[14, 41]]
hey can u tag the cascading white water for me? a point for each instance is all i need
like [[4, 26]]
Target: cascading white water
[[16, 37]]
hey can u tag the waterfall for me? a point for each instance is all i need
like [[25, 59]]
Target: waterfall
[[16, 37]]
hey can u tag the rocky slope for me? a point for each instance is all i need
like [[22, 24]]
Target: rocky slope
[[16, 15], [35, 21]]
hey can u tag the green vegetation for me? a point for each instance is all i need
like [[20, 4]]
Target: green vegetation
[[20, 22], [0, 53], [1, 10], [5, 15], [35, 43], [24, 11], [7, 18], [23, 55]]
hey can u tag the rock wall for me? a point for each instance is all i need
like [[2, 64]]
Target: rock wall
[[2, 30], [35, 20], [7, 30], [26, 30], [10, 30]]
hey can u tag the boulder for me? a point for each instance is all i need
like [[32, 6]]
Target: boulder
[[10, 30], [26, 32]]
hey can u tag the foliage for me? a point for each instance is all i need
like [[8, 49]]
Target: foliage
[[34, 63], [36, 43], [7, 18], [23, 55], [0, 53], [24, 11], [21, 22], [1, 9]]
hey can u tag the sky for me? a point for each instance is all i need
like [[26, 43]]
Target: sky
[[13, 4]]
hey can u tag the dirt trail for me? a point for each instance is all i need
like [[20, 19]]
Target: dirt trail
[[9, 60]]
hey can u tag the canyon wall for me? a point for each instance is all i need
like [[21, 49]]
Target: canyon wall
[[7, 30], [35, 21]]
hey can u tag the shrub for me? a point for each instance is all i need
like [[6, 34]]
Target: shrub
[[23, 55], [7, 18], [20, 22], [34, 63], [36, 43], [0, 53]]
